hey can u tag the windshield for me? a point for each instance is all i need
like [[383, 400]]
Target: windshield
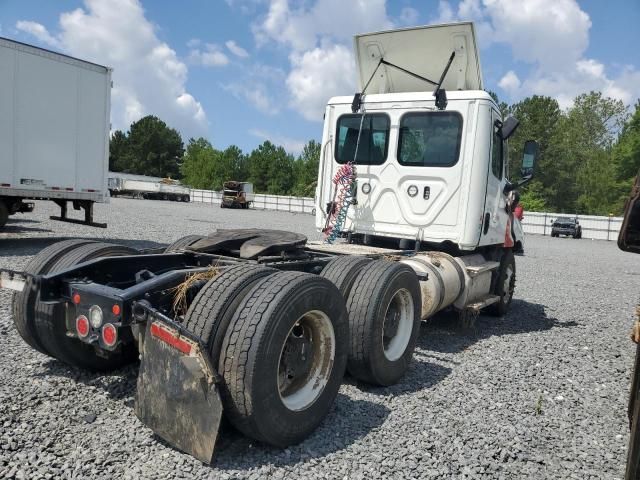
[[566, 220]]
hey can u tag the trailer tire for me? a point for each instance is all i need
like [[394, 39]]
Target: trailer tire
[[24, 302], [383, 292], [50, 320], [4, 213], [213, 307], [342, 271], [505, 284], [182, 243], [273, 390]]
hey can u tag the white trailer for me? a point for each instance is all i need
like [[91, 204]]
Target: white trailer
[[152, 188], [54, 131]]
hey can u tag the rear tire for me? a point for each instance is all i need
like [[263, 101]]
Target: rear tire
[[4, 213], [51, 325], [284, 357], [384, 308], [343, 271], [504, 284], [24, 302], [213, 307], [182, 243]]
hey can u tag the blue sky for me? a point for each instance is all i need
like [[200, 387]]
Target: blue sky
[[241, 71]]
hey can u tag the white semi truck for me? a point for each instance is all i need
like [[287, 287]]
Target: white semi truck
[[260, 325], [54, 131]]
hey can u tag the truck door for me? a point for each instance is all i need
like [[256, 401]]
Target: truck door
[[495, 216]]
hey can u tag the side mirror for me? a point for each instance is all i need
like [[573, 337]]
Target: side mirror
[[629, 237], [509, 127]]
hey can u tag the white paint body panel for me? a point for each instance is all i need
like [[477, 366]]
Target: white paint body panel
[[54, 124]]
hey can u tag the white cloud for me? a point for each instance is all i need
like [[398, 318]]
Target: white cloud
[[38, 31], [318, 35], [148, 77], [510, 82], [338, 20], [550, 35], [317, 75], [236, 49], [209, 56], [261, 86], [256, 95], [291, 145], [194, 42]]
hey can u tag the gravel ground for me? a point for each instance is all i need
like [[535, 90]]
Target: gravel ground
[[540, 393]]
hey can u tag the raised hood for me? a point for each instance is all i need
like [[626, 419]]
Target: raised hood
[[424, 51]]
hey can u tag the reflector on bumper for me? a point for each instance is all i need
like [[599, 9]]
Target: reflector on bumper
[[177, 396]]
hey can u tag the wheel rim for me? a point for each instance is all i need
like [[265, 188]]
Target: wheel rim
[[398, 325], [306, 360]]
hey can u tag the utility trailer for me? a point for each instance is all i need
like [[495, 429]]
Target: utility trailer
[[54, 131], [260, 325], [149, 188], [237, 194]]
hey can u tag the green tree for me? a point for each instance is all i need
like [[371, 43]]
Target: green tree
[[306, 170], [198, 168], [540, 118], [118, 145], [153, 149]]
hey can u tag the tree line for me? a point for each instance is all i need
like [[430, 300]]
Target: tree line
[[150, 147], [589, 155]]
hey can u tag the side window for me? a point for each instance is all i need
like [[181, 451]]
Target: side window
[[497, 155], [374, 139]]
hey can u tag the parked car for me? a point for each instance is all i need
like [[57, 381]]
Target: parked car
[[566, 226]]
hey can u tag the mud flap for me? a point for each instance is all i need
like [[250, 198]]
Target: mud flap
[[177, 396]]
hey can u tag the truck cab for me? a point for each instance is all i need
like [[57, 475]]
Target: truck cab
[[428, 170]]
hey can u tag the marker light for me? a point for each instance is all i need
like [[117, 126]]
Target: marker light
[[115, 309], [76, 298], [82, 326], [412, 191], [109, 335], [95, 315]]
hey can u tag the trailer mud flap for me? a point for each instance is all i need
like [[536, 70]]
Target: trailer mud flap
[[177, 396]]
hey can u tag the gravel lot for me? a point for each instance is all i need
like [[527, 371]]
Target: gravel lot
[[540, 393]]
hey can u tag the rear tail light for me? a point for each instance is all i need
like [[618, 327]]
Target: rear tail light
[[116, 309], [82, 326], [109, 335]]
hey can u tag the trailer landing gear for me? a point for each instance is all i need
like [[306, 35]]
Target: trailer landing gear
[[86, 205]]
